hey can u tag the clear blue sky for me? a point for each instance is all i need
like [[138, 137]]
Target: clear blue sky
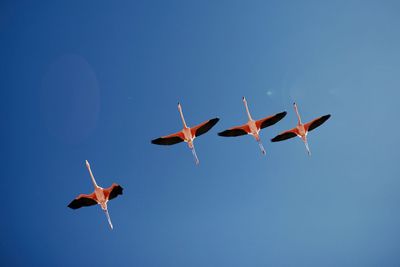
[[98, 80]]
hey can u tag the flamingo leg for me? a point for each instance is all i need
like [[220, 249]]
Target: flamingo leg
[[196, 159], [108, 218], [308, 149], [261, 146]]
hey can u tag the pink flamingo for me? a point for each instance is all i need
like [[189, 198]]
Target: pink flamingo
[[253, 127], [100, 196], [187, 134], [301, 130]]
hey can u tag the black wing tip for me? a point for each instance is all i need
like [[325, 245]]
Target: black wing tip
[[325, 117], [167, 141], [72, 206], [214, 120], [206, 126], [279, 116], [78, 203], [156, 141], [115, 191], [276, 139], [282, 114], [232, 133], [121, 189], [223, 133], [283, 136]]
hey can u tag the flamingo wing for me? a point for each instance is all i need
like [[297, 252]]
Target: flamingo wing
[[204, 127], [168, 140], [271, 120], [113, 191], [83, 200], [285, 135], [316, 123], [236, 131]]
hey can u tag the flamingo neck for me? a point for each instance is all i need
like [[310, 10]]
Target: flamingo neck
[[298, 115], [247, 110], [91, 175], [183, 118], [93, 180]]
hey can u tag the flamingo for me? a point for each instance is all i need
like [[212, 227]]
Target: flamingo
[[187, 134], [100, 196], [253, 127], [301, 130]]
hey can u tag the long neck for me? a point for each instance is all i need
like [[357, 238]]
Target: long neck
[[91, 174], [181, 113], [297, 113], [247, 109]]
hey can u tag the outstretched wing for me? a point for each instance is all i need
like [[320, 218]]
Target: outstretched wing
[[271, 120], [316, 123], [168, 140], [236, 131], [203, 127], [113, 191], [285, 135], [83, 200]]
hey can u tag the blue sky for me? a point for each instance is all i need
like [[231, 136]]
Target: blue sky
[[98, 80]]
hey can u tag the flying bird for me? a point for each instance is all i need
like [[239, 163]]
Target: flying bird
[[187, 134], [301, 130], [253, 127], [100, 196]]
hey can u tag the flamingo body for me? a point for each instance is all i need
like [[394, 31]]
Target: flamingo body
[[253, 127], [301, 130], [100, 196], [187, 134]]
